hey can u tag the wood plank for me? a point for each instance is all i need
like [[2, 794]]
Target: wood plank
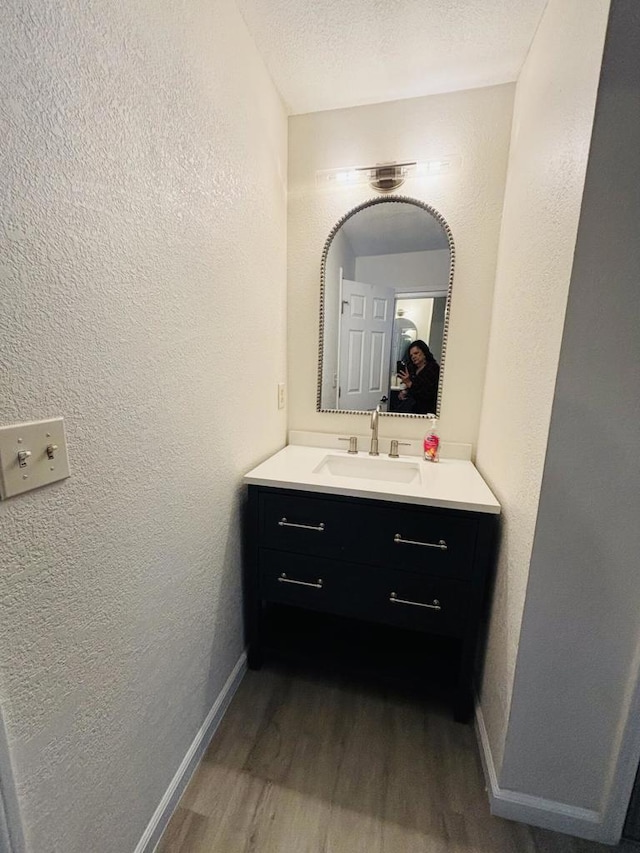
[[309, 763]]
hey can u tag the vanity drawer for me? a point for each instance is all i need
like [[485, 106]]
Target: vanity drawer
[[395, 598], [308, 525], [423, 541], [420, 603], [314, 583], [403, 537]]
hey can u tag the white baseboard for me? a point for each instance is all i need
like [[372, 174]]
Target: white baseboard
[[169, 801], [11, 831], [548, 814]]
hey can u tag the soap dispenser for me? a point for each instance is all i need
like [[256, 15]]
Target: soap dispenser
[[432, 441]]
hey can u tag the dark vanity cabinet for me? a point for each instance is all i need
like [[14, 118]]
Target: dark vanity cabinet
[[415, 572]]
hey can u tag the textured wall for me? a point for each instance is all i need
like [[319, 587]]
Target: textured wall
[[584, 585], [142, 237], [474, 125], [553, 116]]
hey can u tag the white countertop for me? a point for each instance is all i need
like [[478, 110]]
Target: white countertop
[[450, 483]]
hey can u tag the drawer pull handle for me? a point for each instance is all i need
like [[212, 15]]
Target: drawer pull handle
[[319, 527], [442, 545], [393, 598], [284, 579]]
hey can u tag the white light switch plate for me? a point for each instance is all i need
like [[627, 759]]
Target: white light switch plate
[[36, 441]]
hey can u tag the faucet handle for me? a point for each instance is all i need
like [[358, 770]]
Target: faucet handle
[[353, 443], [393, 450]]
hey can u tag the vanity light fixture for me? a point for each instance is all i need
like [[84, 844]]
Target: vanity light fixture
[[384, 177]]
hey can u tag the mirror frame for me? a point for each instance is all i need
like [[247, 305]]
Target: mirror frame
[[445, 333]]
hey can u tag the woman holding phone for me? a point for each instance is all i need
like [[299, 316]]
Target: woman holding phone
[[420, 379]]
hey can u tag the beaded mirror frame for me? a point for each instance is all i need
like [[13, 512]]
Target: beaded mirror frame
[[389, 199]]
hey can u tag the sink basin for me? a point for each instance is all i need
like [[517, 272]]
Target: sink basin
[[369, 468]]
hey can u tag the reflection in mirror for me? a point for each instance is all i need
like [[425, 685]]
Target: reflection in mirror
[[387, 269]]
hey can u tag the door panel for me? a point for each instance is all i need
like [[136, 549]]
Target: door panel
[[366, 324]]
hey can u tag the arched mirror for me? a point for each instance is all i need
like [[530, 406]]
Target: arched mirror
[[387, 270]]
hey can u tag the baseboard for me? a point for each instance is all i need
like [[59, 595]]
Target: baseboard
[[548, 814], [11, 831], [169, 801]]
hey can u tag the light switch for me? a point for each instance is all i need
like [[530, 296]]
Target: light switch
[[33, 454], [281, 395]]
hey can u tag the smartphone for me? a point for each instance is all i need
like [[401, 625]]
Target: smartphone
[[400, 366]]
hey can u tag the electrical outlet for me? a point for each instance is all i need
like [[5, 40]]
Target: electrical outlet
[[281, 395]]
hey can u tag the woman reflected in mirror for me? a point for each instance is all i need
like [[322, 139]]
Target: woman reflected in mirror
[[420, 379]]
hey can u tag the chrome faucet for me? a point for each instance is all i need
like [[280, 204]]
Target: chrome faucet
[[373, 450]]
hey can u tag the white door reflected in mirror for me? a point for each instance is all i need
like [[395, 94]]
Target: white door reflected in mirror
[[366, 328]]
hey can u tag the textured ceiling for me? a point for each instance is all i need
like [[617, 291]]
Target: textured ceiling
[[326, 54]]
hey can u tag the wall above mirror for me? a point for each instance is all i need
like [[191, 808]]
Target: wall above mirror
[[386, 277]]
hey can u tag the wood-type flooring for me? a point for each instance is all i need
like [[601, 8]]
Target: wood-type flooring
[[308, 762]]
